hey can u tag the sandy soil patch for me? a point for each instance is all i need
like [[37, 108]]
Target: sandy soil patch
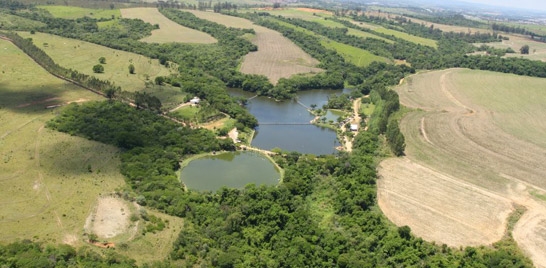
[[109, 218], [440, 208], [473, 148], [313, 10], [169, 31]]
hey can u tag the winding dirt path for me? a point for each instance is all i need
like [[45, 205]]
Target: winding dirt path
[[463, 173]]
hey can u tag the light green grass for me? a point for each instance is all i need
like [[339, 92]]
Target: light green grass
[[367, 108], [187, 112], [510, 98], [357, 56], [72, 12], [46, 189], [82, 56], [408, 37], [51, 181]]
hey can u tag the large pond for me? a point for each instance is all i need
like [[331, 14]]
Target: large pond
[[230, 169], [286, 124]]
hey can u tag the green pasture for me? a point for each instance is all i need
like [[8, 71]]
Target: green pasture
[[82, 56], [49, 180], [357, 56], [517, 102], [408, 37], [72, 12], [188, 112]]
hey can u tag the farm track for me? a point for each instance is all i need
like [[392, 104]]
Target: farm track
[[463, 173]]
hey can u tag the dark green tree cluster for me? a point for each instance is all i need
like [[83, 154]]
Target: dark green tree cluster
[[153, 145], [31, 254]]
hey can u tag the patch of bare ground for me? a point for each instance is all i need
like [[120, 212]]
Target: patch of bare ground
[[409, 191], [169, 31], [467, 162], [109, 218], [277, 57]]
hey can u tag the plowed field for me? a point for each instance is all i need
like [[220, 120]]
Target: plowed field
[[475, 147], [277, 57], [169, 31]]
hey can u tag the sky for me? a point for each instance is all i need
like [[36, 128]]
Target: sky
[[527, 4]]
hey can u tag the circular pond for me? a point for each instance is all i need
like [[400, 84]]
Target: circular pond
[[230, 169]]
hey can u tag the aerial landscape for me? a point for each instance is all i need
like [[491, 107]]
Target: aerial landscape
[[253, 133]]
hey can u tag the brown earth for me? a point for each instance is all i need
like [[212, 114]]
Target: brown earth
[[277, 57], [467, 162], [109, 218]]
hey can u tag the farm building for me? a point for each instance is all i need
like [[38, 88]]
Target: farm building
[[195, 100], [354, 127]]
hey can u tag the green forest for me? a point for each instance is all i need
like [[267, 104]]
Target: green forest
[[266, 226]]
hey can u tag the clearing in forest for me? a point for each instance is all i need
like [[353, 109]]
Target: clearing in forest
[[277, 57], [169, 31], [537, 50], [82, 56], [478, 141], [354, 55]]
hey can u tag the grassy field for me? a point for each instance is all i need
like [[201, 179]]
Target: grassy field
[[169, 31], [71, 12], [277, 57], [357, 56], [395, 33], [85, 55], [537, 50], [46, 184], [50, 181], [479, 132]]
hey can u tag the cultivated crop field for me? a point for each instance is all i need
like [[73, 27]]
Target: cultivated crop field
[[84, 55], [357, 56], [52, 182], [478, 141], [168, 31], [277, 57]]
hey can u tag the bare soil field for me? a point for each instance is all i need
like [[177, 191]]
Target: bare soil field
[[475, 146], [277, 57], [109, 218], [169, 31]]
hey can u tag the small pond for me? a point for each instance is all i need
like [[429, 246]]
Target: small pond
[[286, 124], [230, 169]]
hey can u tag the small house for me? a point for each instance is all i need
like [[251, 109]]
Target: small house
[[195, 100], [354, 127]]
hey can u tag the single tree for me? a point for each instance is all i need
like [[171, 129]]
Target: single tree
[[102, 60], [131, 69], [524, 49], [98, 69]]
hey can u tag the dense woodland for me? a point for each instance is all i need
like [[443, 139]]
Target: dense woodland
[[275, 226]]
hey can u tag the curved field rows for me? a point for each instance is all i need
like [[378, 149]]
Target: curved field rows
[[277, 57], [475, 145], [169, 31]]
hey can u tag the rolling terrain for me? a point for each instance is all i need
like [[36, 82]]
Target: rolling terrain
[[277, 57], [475, 150]]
